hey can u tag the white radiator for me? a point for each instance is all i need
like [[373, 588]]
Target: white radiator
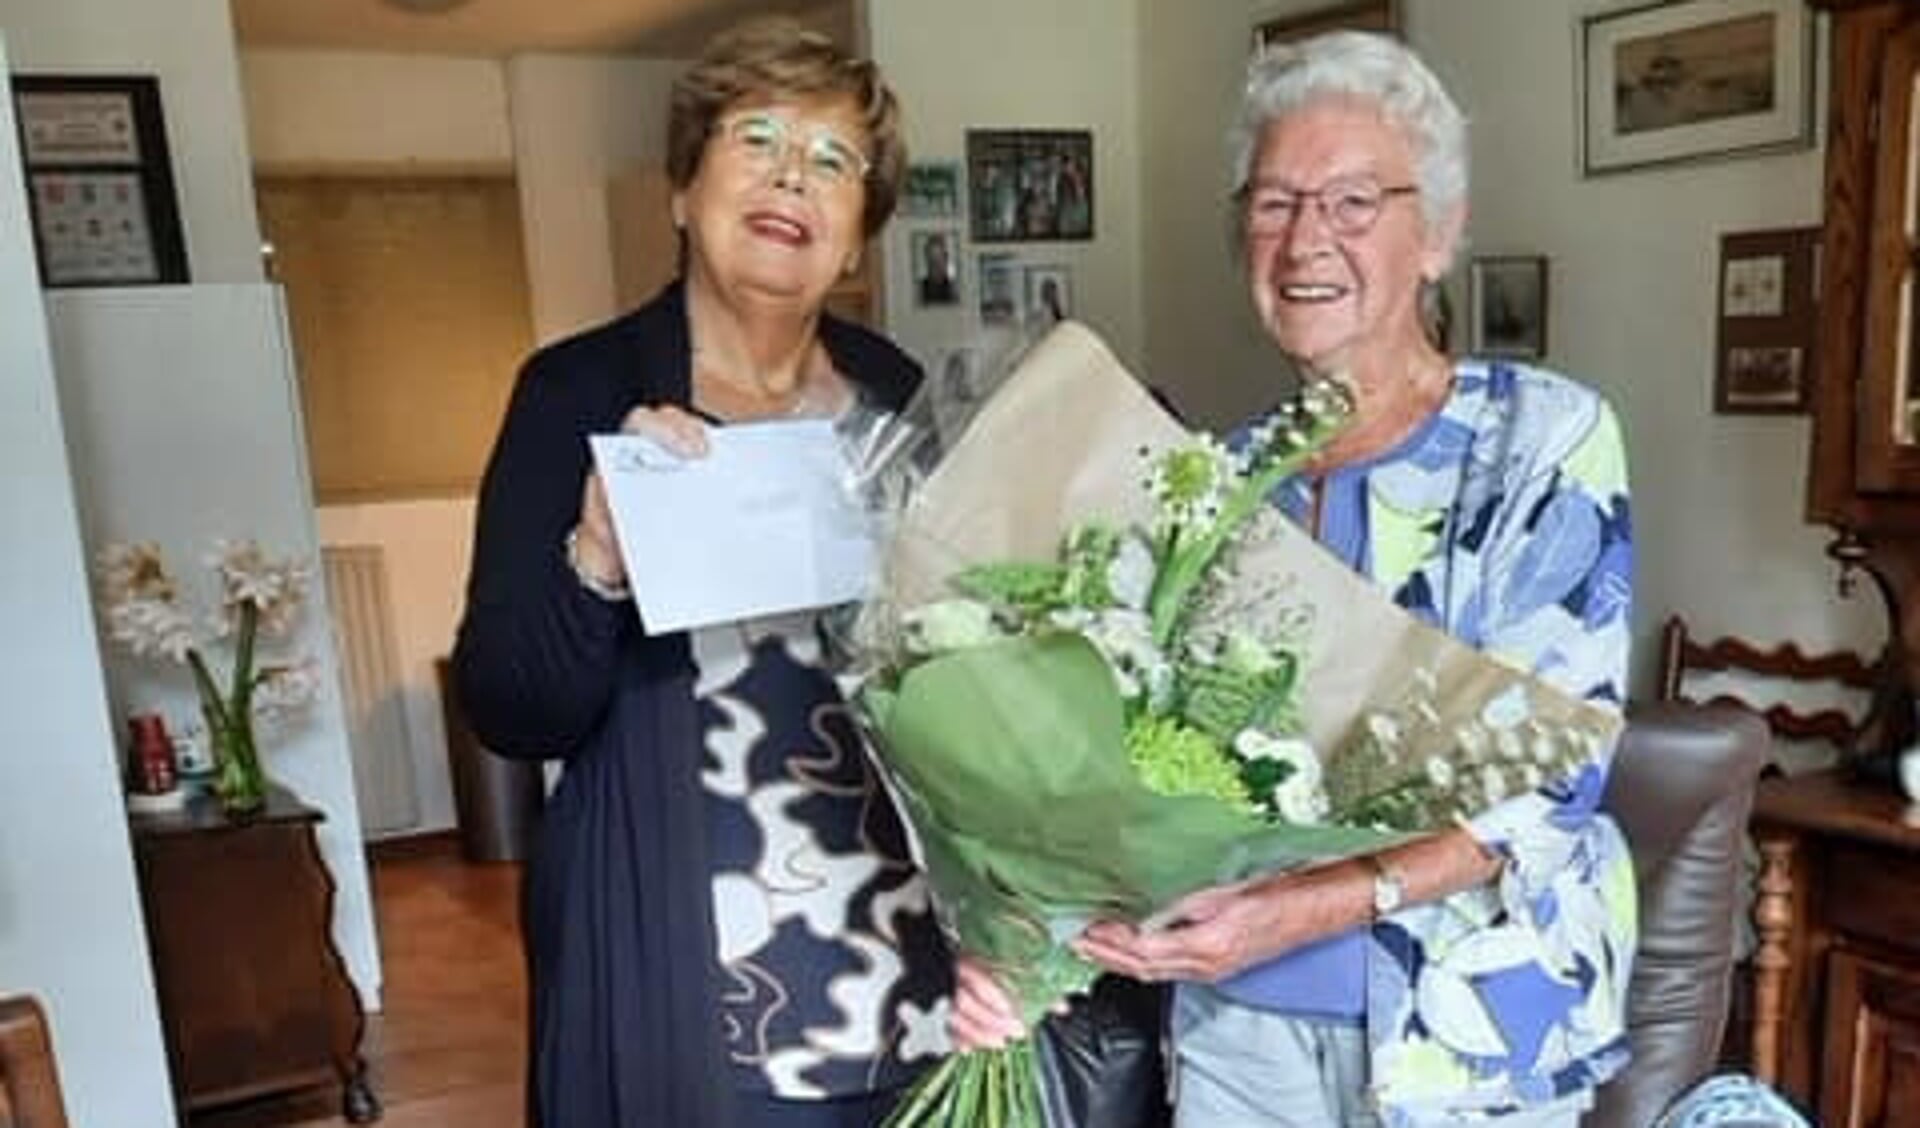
[[375, 691]]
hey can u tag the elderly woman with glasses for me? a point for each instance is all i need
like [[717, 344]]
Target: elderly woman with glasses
[[723, 923], [1478, 972]]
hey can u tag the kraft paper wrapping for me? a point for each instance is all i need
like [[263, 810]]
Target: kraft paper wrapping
[[1060, 443]]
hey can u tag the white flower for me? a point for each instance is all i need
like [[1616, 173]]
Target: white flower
[[1544, 752], [1125, 639], [134, 571], [151, 628], [1531, 777], [1252, 744], [1506, 709], [1300, 800], [1493, 783], [1472, 741], [1384, 729], [949, 625], [1439, 772], [1507, 742], [1130, 575], [285, 689], [276, 588]]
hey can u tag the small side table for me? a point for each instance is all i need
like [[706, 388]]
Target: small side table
[[254, 997]]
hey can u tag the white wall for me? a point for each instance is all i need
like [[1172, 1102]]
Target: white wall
[[357, 109], [70, 924], [184, 427], [1717, 499], [428, 545], [189, 45], [578, 120], [1068, 64]]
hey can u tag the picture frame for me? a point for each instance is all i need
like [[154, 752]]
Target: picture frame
[[997, 288], [935, 254], [1769, 316], [1364, 15], [1694, 80], [1507, 306], [99, 180], [1049, 295], [1030, 185], [931, 190]]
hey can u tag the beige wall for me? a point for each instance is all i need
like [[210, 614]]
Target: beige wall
[[1069, 64], [188, 44], [1633, 258], [577, 121], [348, 109]]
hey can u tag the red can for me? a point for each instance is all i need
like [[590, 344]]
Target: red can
[[150, 767]]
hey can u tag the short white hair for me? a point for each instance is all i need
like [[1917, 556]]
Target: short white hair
[[1362, 66]]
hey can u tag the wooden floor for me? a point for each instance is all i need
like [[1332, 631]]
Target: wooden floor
[[450, 1049]]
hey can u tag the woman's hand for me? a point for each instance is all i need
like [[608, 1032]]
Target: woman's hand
[[1217, 932], [596, 551], [984, 1016]]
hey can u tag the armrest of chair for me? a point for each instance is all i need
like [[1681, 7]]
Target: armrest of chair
[[1681, 788], [29, 1083]]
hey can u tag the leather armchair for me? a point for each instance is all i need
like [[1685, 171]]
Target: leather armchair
[[1681, 787]]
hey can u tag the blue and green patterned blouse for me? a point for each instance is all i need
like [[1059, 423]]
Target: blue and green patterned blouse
[[1502, 520]]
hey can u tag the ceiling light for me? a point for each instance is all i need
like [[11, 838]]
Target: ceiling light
[[425, 7]]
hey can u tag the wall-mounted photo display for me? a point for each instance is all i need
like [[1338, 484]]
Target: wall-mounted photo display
[[1030, 185], [936, 266], [1769, 312], [1693, 80], [1507, 306], [931, 191], [1363, 15], [997, 282], [99, 180], [1049, 292]]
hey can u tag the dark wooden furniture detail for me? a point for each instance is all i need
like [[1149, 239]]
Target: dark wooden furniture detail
[[29, 1083], [1836, 1021], [254, 997], [1682, 655], [1864, 472]]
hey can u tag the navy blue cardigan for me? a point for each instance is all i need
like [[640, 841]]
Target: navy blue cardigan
[[618, 915]]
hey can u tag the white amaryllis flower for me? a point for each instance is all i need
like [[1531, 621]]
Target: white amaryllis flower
[[134, 572], [276, 587], [151, 628]]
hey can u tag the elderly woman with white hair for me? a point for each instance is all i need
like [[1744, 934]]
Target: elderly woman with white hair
[[1479, 972]]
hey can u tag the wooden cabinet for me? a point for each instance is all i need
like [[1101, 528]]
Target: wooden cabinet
[[1836, 1020], [254, 997]]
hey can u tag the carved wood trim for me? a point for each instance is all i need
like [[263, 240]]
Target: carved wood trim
[[1680, 654], [1772, 959]]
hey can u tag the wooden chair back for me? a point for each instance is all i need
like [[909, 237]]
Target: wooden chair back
[[1682, 655], [29, 1083]]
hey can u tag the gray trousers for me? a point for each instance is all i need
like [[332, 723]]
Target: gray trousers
[[1241, 1067]]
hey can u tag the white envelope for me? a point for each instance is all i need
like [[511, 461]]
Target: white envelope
[[764, 524]]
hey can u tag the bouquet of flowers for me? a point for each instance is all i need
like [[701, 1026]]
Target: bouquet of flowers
[[260, 598], [1101, 674]]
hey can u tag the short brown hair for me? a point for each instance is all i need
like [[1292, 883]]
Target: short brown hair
[[778, 58]]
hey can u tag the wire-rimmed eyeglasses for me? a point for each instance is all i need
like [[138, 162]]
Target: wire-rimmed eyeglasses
[[766, 138], [1349, 205]]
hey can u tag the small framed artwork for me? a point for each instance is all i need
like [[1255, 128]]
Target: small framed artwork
[[936, 266], [1769, 306], [99, 180], [1367, 15], [1030, 185], [1694, 80], [1507, 306], [1049, 292], [997, 283], [931, 191]]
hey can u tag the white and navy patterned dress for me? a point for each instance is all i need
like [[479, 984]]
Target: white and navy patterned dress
[[837, 976]]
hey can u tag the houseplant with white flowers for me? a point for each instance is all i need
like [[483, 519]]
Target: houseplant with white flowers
[[261, 598]]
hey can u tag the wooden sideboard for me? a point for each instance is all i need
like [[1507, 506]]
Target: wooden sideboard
[[1836, 1021], [254, 997]]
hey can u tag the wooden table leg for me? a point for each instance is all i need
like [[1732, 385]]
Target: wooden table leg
[[1772, 960]]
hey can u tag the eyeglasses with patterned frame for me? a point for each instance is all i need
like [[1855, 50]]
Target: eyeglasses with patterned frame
[[1348, 205], [766, 139]]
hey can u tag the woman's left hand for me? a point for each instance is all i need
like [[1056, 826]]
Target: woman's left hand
[[1215, 932]]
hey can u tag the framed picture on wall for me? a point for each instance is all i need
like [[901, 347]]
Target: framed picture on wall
[[1507, 306], [99, 180], [931, 191], [936, 266], [1366, 15], [1694, 80], [1769, 313], [1049, 295], [997, 283], [1030, 185]]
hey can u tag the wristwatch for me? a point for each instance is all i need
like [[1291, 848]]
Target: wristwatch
[[611, 593], [1389, 887]]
